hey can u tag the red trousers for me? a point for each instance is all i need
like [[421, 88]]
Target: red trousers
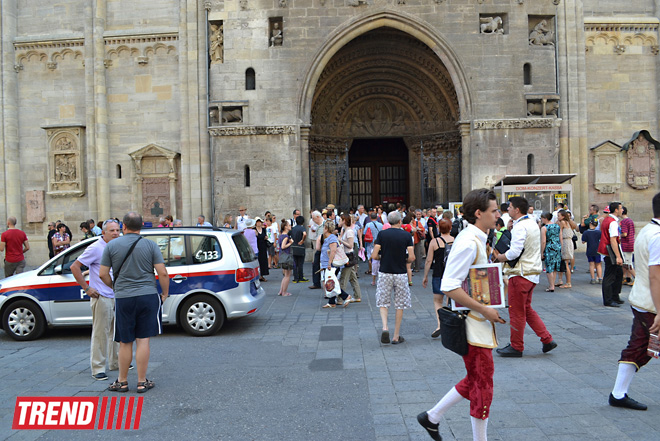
[[521, 313], [635, 352], [477, 386]]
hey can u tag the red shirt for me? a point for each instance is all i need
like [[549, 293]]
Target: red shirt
[[627, 227], [13, 239]]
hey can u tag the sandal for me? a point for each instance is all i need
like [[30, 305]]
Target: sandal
[[549, 290], [145, 385], [566, 286], [286, 294], [328, 305], [119, 386]]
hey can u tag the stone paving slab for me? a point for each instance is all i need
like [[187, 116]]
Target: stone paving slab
[[296, 371]]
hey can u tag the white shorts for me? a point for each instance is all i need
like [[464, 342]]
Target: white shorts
[[628, 259]]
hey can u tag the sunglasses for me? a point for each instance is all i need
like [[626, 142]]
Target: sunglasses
[[110, 221]]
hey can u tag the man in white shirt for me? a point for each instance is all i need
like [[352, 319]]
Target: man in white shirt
[[645, 302], [613, 276], [242, 217], [201, 221], [315, 228], [505, 213], [525, 250], [362, 214], [477, 387], [560, 206]]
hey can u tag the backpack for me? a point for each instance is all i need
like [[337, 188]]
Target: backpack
[[456, 226], [447, 250], [368, 236]]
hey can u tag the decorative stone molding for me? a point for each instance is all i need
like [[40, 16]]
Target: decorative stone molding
[[621, 33], [328, 144], [640, 170], [51, 65], [252, 130], [65, 162], [208, 5], [655, 49], [140, 38], [542, 105], [18, 67], [142, 60], [607, 167], [516, 123], [437, 142]]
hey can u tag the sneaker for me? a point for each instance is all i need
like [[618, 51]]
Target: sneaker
[[509, 351], [432, 429], [130, 367], [547, 347], [100, 376], [303, 280], [600, 281], [593, 282]]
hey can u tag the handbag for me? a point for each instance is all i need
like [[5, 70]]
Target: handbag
[[298, 250], [452, 330], [340, 257], [286, 259]]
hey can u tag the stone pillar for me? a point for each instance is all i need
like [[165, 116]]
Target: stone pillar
[[304, 170], [101, 113], [573, 149], [90, 116], [9, 141], [186, 169], [466, 157]]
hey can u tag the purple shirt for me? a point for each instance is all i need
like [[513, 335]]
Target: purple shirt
[[251, 236], [91, 258]]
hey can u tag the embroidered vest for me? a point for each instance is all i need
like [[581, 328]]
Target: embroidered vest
[[529, 263], [640, 295]]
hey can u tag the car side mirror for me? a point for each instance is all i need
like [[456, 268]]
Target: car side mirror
[[58, 269]]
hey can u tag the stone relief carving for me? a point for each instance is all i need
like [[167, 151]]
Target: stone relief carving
[[216, 43], [356, 2], [491, 25], [232, 115], [620, 36], [640, 168], [282, 3], [253, 130], [533, 123], [243, 4], [542, 35], [542, 108], [655, 49], [276, 36], [65, 162], [607, 166]]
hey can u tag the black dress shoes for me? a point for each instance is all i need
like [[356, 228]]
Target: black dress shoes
[[612, 305], [509, 351], [432, 429], [619, 301], [547, 347], [626, 402]]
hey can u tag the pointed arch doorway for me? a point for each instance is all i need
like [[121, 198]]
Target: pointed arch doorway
[[384, 103]]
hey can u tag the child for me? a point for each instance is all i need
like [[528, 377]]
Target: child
[[592, 237]]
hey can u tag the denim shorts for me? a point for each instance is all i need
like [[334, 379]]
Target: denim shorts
[[435, 284]]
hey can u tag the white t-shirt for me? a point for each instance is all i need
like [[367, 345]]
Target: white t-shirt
[[614, 227], [240, 222]]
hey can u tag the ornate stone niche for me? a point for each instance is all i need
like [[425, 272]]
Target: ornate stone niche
[[275, 31], [156, 173], [493, 24], [542, 104], [65, 161], [541, 30], [607, 167], [232, 115], [640, 167]]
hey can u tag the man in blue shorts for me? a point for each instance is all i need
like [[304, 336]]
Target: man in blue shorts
[[137, 303]]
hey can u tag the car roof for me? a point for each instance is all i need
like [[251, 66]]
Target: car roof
[[191, 229]]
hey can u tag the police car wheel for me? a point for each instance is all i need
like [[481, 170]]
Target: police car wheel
[[201, 316], [23, 320]]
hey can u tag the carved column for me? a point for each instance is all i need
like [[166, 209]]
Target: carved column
[[304, 170], [9, 150], [466, 154], [101, 112]]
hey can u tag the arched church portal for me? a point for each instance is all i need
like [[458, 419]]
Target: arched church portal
[[384, 125]]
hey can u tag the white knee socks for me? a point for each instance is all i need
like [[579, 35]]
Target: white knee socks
[[623, 379], [479, 429], [450, 399]]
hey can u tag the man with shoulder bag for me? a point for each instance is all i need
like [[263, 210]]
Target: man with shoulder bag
[[298, 234], [469, 249]]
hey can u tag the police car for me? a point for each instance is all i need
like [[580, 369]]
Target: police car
[[214, 276]]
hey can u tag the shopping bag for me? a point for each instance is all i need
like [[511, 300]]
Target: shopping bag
[[331, 284]]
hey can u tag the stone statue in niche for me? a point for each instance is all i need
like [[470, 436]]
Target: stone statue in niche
[[243, 4], [282, 3], [216, 44], [276, 35], [541, 35], [232, 115], [491, 25]]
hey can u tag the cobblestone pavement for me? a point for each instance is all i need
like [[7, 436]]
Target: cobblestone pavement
[[296, 371]]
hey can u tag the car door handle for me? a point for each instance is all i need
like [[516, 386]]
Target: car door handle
[[179, 278]]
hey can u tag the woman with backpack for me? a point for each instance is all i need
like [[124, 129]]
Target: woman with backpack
[[438, 251]]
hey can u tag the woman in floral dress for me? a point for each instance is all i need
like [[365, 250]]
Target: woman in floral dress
[[551, 248]]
